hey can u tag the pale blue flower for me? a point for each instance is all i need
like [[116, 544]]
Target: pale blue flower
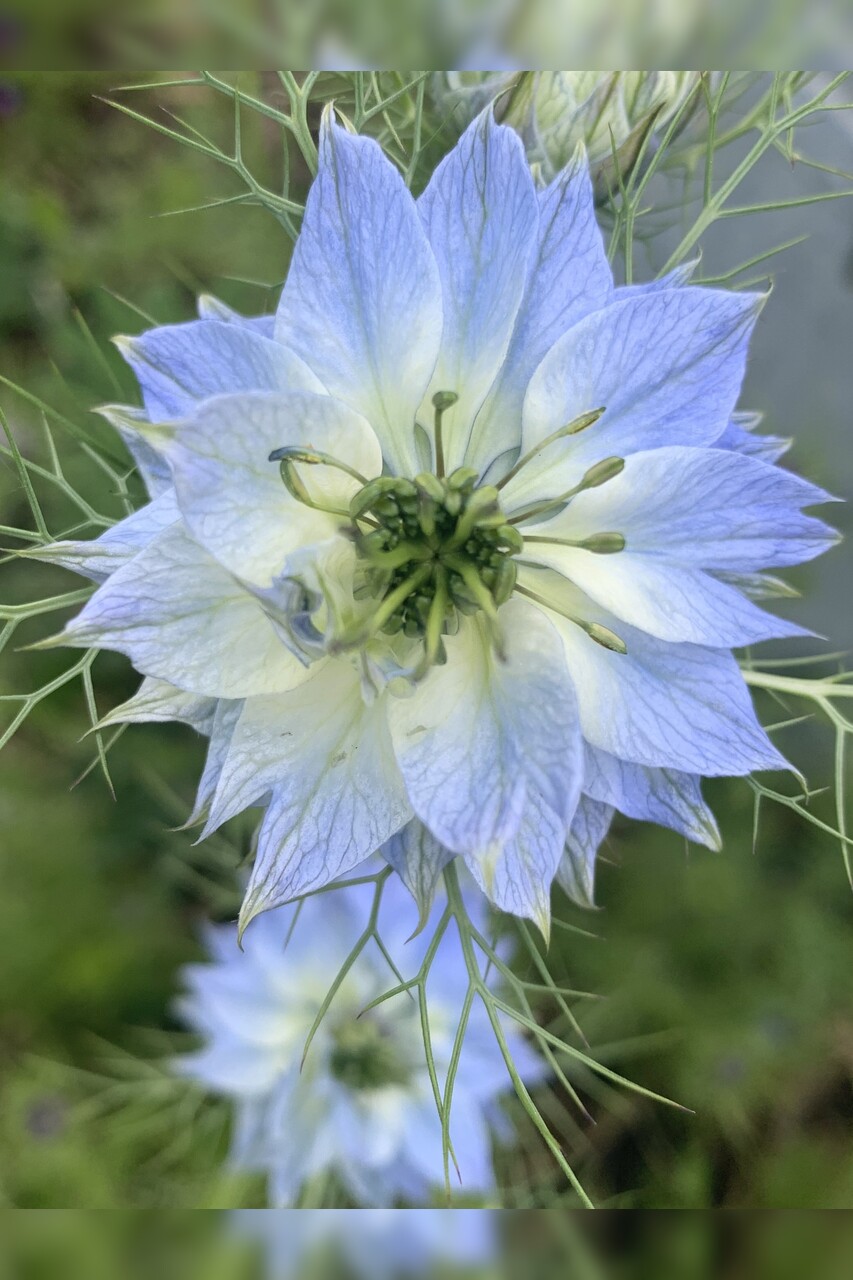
[[361, 1109], [489, 659], [376, 1244]]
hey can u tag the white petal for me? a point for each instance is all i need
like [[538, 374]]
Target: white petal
[[336, 792], [419, 859], [233, 498], [180, 617], [159, 702], [99, 557], [478, 734]]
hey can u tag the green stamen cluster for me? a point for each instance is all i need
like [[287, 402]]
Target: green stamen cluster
[[434, 546], [363, 1056]]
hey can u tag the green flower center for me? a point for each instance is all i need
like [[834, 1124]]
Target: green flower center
[[433, 548], [364, 1056]]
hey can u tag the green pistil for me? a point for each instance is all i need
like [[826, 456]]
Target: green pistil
[[441, 546], [364, 1056]]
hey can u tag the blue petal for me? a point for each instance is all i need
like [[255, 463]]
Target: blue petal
[[666, 366], [569, 277], [576, 872], [362, 300], [179, 365], [210, 308], [741, 437], [419, 859], [480, 215], [706, 507], [674, 706], [665, 796]]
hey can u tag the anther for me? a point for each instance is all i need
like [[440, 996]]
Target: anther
[[441, 402], [571, 429]]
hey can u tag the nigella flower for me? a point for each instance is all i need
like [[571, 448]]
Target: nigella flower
[[448, 558], [374, 1244], [360, 1110]]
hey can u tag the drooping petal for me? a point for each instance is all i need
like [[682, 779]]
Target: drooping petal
[[674, 706], [665, 796], [232, 497], [480, 214], [477, 737], [703, 507], [181, 617], [516, 874], [419, 859], [336, 793], [98, 558], [666, 366], [362, 300], [568, 278], [576, 872], [179, 365], [221, 732]]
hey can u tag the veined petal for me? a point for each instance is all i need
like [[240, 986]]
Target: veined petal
[[221, 732], [127, 421], [674, 706], [100, 557], [419, 859], [516, 875], [666, 365], [337, 795], [181, 617], [666, 599], [231, 495], [362, 300], [665, 796], [741, 436], [576, 872], [160, 702], [481, 216], [568, 277], [704, 507], [478, 738], [179, 365]]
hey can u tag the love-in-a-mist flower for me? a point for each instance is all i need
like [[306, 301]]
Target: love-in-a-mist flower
[[448, 558], [375, 1244], [360, 1111], [611, 112]]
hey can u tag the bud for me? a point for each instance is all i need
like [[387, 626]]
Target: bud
[[553, 111]]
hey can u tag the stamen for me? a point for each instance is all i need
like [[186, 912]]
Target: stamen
[[571, 429], [600, 634], [315, 458], [442, 401], [601, 544], [297, 490], [597, 475]]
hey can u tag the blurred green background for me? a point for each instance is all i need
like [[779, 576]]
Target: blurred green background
[[727, 978]]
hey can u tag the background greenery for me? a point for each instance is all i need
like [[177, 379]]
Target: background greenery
[[726, 978]]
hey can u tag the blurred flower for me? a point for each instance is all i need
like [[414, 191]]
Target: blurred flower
[[361, 1108], [448, 557], [610, 112], [377, 1244]]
